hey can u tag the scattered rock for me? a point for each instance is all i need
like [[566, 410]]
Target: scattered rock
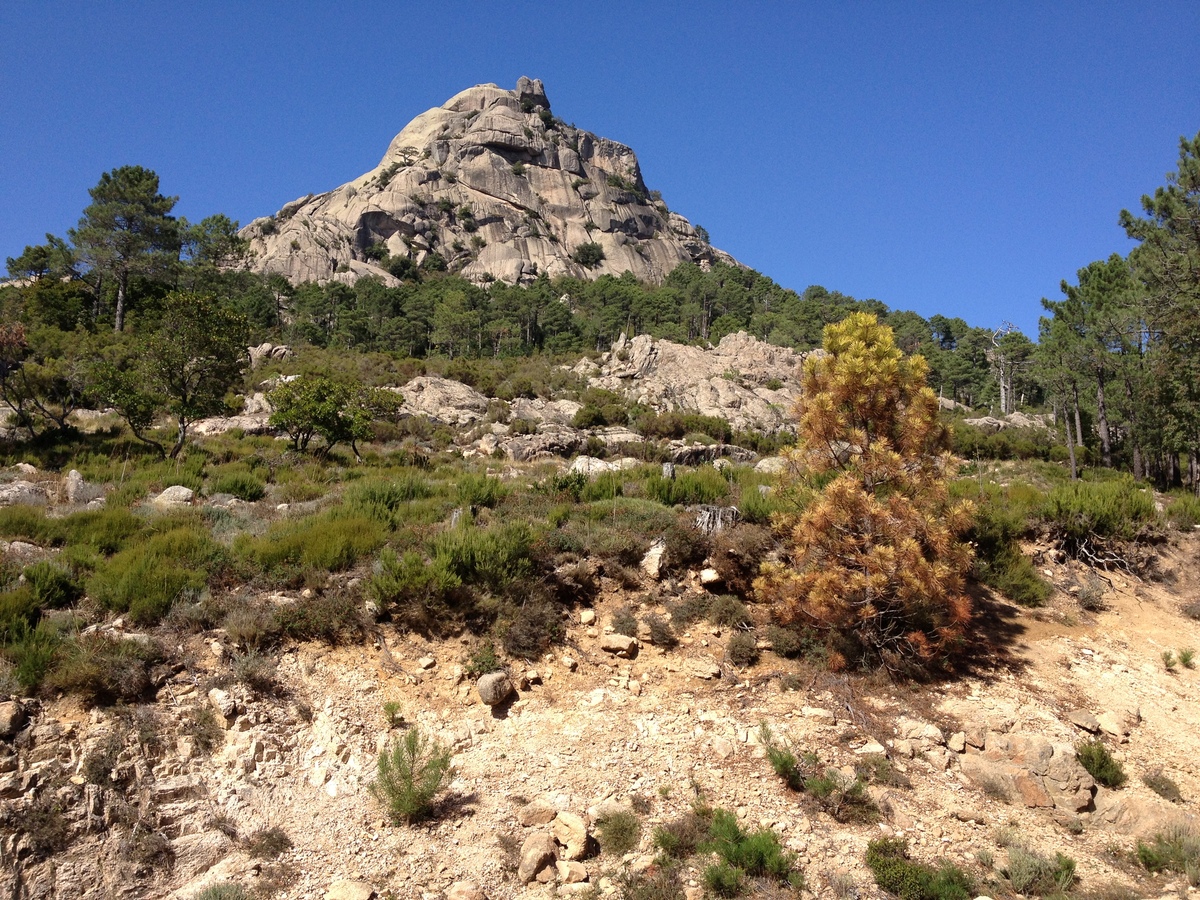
[[538, 852], [12, 718], [571, 872], [571, 831], [465, 890], [587, 617], [175, 495], [22, 493], [494, 688], [344, 889], [620, 645], [1081, 718], [539, 812], [655, 559]]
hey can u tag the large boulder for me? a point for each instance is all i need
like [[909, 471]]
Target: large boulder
[[22, 493], [443, 400]]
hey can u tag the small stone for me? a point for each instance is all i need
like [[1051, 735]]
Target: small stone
[[587, 617], [957, 742], [571, 872], [635, 688], [344, 889], [426, 662], [710, 576], [539, 812], [569, 663], [1081, 718], [465, 890], [494, 688], [619, 644]]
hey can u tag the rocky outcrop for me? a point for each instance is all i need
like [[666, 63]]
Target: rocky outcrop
[[497, 186], [751, 383], [443, 400]]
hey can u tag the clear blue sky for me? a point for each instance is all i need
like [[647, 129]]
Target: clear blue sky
[[950, 157]]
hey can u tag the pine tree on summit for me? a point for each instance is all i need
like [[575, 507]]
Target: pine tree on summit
[[875, 556]]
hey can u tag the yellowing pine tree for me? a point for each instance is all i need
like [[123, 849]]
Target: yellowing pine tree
[[875, 555]]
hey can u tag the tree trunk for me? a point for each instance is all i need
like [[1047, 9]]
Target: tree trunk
[[1102, 422], [1078, 423], [119, 318], [1139, 465], [179, 441], [1071, 448]]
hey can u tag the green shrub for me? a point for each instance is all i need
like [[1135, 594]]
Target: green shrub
[[226, 890], [728, 611], [483, 660], [52, 586], [1177, 850], [589, 255], [625, 622], [330, 618], [416, 594], [243, 485], [146, 579], [103, 671], [29, 523], [742, 648], [412, 771], [680, 838], [327, 542], [31, 650], [1084, 511], [702, 486], [1162, 785], [618, 832], [887, 858], [1031, 873], [536, 625], [268, 843], [1094, 756], [757, 854], [104, 530], [493, 558], [723, 880], [380, 498], [481, 490], [1184, 511], [1002, 518]]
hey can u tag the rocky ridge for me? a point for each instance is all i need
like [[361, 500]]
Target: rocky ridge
[[499, 187]]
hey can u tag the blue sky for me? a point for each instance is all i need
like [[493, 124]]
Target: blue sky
[[952, 157]]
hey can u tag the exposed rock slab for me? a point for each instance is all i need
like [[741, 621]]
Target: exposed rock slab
[[491, 164]]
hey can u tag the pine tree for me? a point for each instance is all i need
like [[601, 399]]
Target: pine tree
[[875, 556]]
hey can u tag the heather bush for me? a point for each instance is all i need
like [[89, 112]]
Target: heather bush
[[411, 772]]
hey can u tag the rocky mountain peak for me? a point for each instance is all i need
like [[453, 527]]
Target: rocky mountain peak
[[492, 185]]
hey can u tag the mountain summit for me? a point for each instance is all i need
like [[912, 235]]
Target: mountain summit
[[492, 185]]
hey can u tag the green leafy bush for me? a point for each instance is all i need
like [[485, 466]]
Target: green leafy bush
[[52, 586], [887, 858], [493, 558], [481, 490], [147, 579], [1094, 756], [756, 854], [416, 594], [381, 498], [1086, 511], [243, 485], [701, 486], [589, 255], [1177, 850], [411, 772], [1184, 511], [332, 541]]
